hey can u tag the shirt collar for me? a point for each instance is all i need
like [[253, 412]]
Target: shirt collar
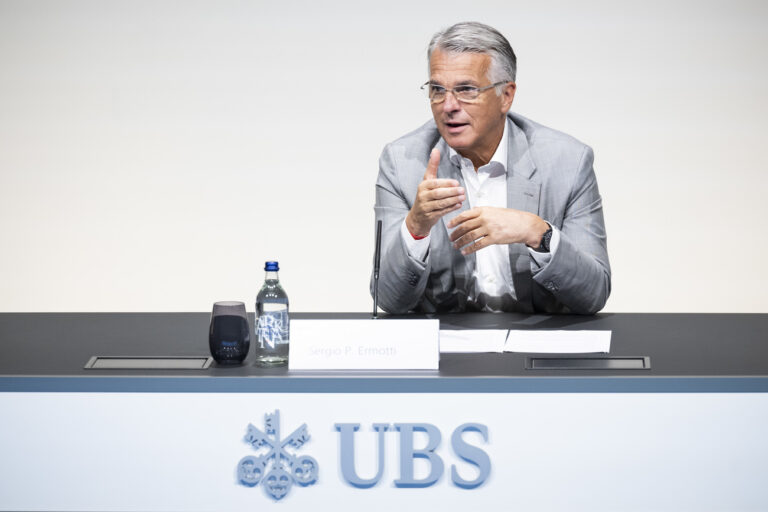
[[500, 156]]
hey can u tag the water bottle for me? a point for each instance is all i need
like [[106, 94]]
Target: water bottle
[[272, 323]]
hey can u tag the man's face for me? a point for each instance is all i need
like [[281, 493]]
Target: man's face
[[470, 128]]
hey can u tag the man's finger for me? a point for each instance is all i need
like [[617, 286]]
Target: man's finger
[[439, 183], [442, 204], [442, 193], [434, 159], [461, 232], [470, 238], [475, 246], [463, 217], [436, 214]]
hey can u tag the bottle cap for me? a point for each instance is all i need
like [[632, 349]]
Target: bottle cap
[[271, 266]]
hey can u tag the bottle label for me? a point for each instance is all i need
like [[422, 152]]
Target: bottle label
[[272, 326]]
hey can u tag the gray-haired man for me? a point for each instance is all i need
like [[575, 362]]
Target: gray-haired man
[[484, 210]]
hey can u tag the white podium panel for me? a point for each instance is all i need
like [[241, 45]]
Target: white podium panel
[[569, 452]]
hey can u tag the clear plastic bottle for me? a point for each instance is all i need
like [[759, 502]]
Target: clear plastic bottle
[[272, 322]]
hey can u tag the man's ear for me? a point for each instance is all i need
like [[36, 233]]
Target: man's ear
[[507, 96]]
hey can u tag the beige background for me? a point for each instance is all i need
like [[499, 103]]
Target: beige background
[[154, 154]]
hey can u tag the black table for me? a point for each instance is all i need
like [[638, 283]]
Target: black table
[[687, 353]]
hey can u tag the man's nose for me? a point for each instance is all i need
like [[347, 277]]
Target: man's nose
[[451, 104]]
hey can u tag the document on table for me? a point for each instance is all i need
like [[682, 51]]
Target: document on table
[[472, 340], [560, 342]]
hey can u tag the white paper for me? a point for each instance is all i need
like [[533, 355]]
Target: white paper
[[382, 344], [472, 340], [561, 342]]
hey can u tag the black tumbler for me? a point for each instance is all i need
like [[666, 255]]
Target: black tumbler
[[229, 336]]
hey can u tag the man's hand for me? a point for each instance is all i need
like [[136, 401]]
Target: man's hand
[[434, 198], [485, 225]]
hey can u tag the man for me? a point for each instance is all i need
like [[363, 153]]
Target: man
[[485, 210]]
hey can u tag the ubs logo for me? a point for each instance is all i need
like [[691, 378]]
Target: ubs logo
[[470, 454], [278, 470], [285, 468]]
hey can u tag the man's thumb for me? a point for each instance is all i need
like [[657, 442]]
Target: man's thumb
[[434, 160]]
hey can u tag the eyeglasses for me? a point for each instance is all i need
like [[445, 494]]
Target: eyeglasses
[[463, 93]]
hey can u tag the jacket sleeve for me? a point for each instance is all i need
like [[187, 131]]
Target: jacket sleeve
[[579, 274], [402, 278]]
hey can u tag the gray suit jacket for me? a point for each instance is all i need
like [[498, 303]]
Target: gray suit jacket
[[548, 173]]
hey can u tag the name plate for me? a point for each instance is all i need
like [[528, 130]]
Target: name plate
[[382, 344]]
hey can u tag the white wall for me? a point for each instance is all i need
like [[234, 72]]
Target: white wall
[[154, 154]]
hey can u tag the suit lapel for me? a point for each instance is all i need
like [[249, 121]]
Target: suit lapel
[[522, 194]]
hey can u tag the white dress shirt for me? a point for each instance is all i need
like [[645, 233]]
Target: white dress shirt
[[486, 187]]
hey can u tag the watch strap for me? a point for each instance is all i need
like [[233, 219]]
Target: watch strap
[[545, 239]]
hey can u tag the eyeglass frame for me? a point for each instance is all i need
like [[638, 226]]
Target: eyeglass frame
[[453, 91]]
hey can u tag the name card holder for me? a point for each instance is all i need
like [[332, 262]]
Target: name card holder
[[381, 344]]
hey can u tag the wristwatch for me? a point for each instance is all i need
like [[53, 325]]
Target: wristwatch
[[545, 238]]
